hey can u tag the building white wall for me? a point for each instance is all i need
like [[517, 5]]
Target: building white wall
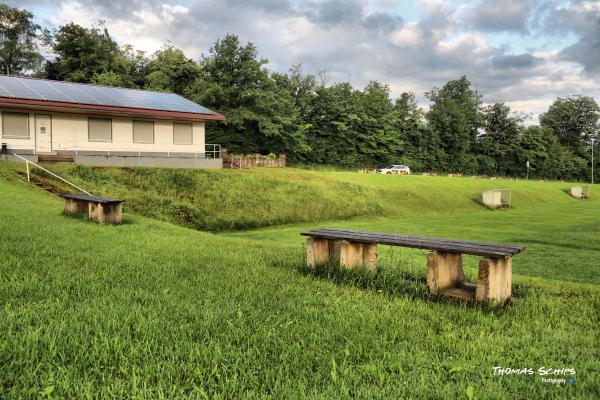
[[70, 133]]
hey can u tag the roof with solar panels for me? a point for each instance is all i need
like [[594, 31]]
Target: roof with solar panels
[[30, 93]]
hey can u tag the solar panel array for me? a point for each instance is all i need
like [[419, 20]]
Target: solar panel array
[[41, 89]]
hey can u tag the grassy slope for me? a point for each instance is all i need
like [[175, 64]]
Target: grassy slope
[[233, 200], [148, 309]]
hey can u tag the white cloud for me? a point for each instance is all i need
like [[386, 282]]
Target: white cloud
[[359, 41], [166, 14], [431, 4], [476, 44], [409, 36], [147, 27], [72, 12]]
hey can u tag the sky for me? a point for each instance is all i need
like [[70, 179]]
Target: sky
[[524, 53]]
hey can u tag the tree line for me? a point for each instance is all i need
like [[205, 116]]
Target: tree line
[[310, 120]]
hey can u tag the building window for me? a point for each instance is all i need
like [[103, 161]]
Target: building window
[[15, 125], [99, 129], [182, 133], [143, 131]]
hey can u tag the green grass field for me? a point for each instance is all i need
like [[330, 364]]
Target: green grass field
[[151, 309]]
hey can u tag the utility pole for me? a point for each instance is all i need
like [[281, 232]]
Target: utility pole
[[592, 161]]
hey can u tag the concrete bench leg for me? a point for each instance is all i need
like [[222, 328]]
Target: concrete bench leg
[[494, 279], [110, 213], [321, 251], [93, 210], [444, 271], [358, 255], [73, 206], [370, 256]]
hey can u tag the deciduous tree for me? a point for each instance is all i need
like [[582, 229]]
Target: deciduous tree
[[19, 53], [574, 120], [81, 54], [260, 116], [409, 124], [171, 71], [498, 144], [455, 116]]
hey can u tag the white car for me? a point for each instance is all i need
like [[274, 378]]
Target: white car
[[395, 169]]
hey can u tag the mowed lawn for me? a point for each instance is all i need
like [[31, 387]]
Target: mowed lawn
[[149, 309]]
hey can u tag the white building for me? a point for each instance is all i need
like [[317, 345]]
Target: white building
[[99, 125]]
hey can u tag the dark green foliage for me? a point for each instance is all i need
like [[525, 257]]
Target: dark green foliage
[[376, 141], [171, 71], [260, 115], [19, 52], [420, 143], [596, 150], [301, 87], [82, 54], [455, 116], [131, 70], [498, 146], [91, 55], [574, 120], [540, 147], [330, 123], [349, 127]]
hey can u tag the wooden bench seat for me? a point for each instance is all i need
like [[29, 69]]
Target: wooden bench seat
[[445, 275], [102, 209]]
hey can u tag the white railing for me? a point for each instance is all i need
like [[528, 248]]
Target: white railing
[[212, 150], [27, 162]]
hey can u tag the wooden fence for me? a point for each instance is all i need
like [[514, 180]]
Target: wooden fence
[[238, 161]]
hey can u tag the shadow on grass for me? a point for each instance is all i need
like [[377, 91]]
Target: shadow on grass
[[83, 217], [477, 200], [567, 191], [390, 283]]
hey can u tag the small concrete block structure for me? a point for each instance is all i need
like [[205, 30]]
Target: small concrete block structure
[[348, 254], [580, 192], [444, 271], [321, 251], [75, 206], [111, 213], [496, 198], [354, 254], [494, 279], [101, 209], [445, 276]]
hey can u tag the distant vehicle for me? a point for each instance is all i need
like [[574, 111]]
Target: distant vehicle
[[395, 169]]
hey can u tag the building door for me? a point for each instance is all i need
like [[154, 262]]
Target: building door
[[43, 133]]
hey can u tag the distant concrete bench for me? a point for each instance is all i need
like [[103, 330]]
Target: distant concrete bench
[[580, 192], [444, 263], [102, 209], [496, 198]]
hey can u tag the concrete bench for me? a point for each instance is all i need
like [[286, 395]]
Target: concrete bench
[[351, 248], [580, 192], [102, 209]]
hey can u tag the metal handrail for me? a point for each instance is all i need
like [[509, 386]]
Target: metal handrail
[[27, 162]]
